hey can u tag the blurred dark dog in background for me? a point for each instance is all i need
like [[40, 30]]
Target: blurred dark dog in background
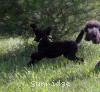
[[92, 30]]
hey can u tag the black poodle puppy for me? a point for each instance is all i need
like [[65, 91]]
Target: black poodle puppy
[[48, 49]]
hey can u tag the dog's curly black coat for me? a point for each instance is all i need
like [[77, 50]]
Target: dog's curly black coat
[[48, 49]]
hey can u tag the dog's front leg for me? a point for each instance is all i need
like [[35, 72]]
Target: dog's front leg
[[32, 62], [35, 58]]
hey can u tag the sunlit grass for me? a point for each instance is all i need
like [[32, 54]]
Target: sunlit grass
[[49, 75], [10, 44]]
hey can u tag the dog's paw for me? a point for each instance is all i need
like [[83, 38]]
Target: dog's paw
[[29, 64], [81, 60]]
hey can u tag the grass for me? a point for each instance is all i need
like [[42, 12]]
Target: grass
[[49, 75]]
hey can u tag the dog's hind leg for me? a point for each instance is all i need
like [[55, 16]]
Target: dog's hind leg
[[35, 57], [74, 57]]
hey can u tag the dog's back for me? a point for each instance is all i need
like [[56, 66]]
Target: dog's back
[[55, 49]]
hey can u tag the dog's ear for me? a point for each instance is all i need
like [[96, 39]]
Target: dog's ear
[[33, 26], [80, 36], [48, 30]]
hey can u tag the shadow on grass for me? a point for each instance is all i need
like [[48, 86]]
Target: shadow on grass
[[16, 60], [72, 76]]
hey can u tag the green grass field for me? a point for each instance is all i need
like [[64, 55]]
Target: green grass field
[[49, 75]]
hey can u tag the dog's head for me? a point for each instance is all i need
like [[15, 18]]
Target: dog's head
[[92, 30], [93, 34], [40, 33]]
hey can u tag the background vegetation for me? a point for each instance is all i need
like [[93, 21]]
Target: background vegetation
[[67, 18]]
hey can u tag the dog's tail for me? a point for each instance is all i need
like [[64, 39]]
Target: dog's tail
[[80, 36]]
